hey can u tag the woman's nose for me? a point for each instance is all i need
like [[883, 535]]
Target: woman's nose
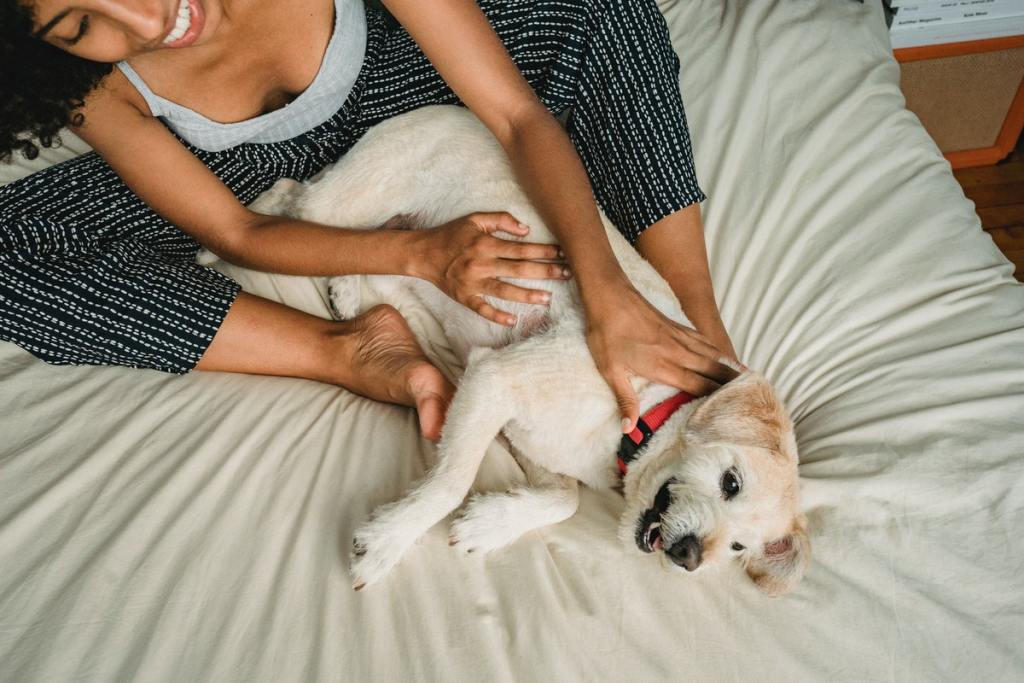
[[144, 19]]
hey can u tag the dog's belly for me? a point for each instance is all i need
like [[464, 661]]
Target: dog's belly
[[533, 322], [586, 456], [465, 330]]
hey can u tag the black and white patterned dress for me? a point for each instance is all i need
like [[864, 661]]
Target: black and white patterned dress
[[90, 275]]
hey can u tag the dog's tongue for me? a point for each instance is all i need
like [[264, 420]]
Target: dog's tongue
[[654, 536]]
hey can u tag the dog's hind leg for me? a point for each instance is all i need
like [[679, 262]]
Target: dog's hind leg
[[493, 520], [481, 407]]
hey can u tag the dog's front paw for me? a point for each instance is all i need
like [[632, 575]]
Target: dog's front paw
[[343, 294], [488, 523], [376, 548]]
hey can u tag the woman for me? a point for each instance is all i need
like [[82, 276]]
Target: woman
[[194, 107]]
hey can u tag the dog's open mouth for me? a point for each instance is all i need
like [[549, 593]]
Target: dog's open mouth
[[648, 531]]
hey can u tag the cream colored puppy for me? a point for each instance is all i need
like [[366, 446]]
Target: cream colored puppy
[[717, 480]]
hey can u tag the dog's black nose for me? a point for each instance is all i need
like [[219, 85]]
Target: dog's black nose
[[686, 552]]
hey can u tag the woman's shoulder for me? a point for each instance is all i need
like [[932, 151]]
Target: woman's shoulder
[[113, 108], [115, 93]]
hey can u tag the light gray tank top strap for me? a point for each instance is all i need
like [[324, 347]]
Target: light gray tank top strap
[[321, 100]]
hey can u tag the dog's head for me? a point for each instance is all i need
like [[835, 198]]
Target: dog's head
[[721, 484]]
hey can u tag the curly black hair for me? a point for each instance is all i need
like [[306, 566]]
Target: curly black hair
[[41, 86]]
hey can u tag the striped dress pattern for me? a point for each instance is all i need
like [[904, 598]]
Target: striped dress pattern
[[89, 274]]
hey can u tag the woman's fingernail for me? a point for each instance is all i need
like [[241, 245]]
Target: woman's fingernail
[[524, 226], [566, 273], [625, 425], [545, 297], [561, 254], [511, 321]]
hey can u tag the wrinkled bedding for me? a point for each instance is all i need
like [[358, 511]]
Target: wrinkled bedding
[[196, 528]]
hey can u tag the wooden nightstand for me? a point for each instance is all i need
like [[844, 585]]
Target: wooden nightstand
[[969, 96]]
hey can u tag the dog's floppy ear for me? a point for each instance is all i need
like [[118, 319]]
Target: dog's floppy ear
[[781, 563], [745, 412]]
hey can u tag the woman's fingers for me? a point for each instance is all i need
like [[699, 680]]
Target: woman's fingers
[[510, 292], [711, 368], [625, 396], [695, 341], [499, 222], [685, 379], [704, 358], [478, 304], [531, 270], [526, 251]]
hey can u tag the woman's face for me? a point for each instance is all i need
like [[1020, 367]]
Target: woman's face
[[113, 30]]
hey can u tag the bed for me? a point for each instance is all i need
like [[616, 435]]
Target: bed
[[196, 528]]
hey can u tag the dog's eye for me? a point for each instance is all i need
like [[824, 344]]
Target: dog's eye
[[730, 484], [738, 547]]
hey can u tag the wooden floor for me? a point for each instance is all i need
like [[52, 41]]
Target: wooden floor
[[998, 193]]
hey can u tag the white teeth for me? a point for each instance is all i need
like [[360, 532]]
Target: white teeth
[[650, 533], [181, 23]]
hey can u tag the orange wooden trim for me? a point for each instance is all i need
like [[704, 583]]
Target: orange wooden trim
[[1005, 141], [969, 158], [967, 47]]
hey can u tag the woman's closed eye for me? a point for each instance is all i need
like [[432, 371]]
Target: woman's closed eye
[[83, 26]]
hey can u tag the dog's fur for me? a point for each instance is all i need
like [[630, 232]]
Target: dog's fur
[[538, 383]]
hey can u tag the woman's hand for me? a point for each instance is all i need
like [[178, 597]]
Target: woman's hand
[[464, 260], [627, 336]]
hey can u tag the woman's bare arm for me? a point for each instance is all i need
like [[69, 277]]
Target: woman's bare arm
[[175, 184], [458, 40]]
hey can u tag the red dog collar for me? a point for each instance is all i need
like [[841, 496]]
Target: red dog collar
[[645, 428]]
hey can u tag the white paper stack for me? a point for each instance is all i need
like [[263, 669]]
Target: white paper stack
[[933, 22]]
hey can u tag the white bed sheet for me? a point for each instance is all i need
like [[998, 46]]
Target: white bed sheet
[[196, 528]]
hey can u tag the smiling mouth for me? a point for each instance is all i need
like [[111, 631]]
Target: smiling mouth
[[188, 24], [648, 533]]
